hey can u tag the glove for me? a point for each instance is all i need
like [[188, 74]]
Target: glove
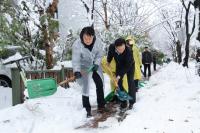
[[95, 67], [77, 75]]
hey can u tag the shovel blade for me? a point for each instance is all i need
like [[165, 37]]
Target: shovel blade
[[122, 95], [41, 87], [110, 96]]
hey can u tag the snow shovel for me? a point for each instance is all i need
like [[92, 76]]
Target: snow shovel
[[37, 87], [73, 77], [141, 84], [122, 95], [41, 87], [67, 80]]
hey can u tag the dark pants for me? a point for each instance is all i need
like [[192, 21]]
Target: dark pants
[[99, 91], [136, 84], [147, 66], [131, 85], [154, 65]]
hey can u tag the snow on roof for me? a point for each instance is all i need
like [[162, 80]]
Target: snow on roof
[[14, 57]]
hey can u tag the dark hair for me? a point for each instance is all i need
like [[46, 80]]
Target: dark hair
[[88, 31], [120, 42], [146, 47]]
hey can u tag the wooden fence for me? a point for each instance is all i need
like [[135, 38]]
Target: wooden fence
[[18, 85]]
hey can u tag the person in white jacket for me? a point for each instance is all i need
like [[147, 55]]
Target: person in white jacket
[[87, 51]]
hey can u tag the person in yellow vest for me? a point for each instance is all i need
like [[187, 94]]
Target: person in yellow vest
[[137, 58]]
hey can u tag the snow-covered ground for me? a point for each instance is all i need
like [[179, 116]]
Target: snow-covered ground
[[169, 103], [5, 97]]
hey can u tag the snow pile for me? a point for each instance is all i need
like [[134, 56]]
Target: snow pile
[[168, 104], [5, 97], [56, 112], [59, 64]]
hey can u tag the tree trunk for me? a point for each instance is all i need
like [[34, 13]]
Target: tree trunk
[[92, 14], [197, 7], [50, 36], [48, 47], [53, 8], [88, 11], [188, 35], [178, 50], [185, 63], [198, 36], [105, 14], [49, 56]]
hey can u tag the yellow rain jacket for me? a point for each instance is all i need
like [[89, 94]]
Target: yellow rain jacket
[[113, 69], [137, 58]]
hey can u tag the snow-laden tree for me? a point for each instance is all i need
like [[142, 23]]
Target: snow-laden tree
[[122, 18], [169, 18], [11, 29], [63, 48], [197, 8], [130, 14], [89, 6], [189, 25], [32, 25]]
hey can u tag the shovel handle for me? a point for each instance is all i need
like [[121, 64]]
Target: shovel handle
[[67, 80], [107, 67]]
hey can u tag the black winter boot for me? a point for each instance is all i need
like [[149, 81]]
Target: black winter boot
[[123, 105], [89, 114], [130, 106]]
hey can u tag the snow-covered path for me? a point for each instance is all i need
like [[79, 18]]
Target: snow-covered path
[[169, 103]]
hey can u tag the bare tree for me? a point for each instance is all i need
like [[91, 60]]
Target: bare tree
[[173, 36], [188, 34], [123, 13], [197, 7], [90, 11], [174, 41], [104, 15]]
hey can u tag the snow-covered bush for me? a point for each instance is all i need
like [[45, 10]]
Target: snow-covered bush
[[63, 48]]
